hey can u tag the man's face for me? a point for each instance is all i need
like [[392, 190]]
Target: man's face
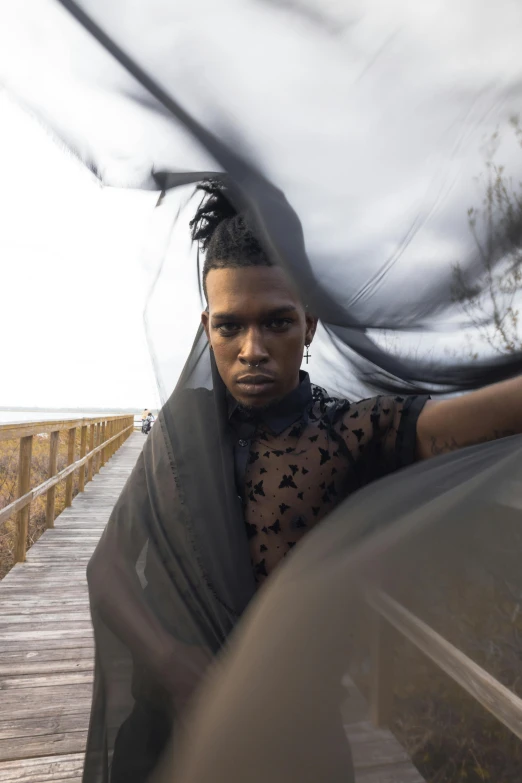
[[257, 328]]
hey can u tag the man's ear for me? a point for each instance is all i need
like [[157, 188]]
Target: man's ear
[[206, 323], [311, 326]]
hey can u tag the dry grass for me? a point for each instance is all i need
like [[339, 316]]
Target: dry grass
[[450, 737], [447, 734]]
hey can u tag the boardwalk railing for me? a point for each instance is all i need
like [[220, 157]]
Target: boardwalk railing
[[390, 618], [100, 438]]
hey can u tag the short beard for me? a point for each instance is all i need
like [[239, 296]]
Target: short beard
[[251, 410]]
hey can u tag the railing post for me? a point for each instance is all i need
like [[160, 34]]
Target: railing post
[[83, 452], [24, 485], [54, 442], [382, 655], [111, 433], [91, 446], [103, 451], [98, 455], [71, 443]]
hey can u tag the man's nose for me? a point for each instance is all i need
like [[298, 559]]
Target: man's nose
[[253, 350]]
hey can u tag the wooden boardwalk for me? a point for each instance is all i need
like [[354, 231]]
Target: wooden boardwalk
[[46, 646], [46, 652], [378, 756]]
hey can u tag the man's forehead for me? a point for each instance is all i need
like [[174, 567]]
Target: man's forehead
[[258, 290]]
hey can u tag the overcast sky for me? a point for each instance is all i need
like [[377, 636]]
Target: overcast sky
[[72, 287]]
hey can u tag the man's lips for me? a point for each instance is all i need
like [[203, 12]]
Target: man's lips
[[254, 384], [255, 379]]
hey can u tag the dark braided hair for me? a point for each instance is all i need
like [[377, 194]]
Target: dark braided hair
[[224, 235]]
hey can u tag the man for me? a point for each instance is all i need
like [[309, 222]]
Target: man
[[298, 452], [147, 423], [295, 454]]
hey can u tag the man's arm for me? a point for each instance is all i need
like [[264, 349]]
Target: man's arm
[[478, 417]]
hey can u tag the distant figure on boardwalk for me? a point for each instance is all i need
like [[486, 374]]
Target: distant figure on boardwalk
[[146, 412], [147, 423]]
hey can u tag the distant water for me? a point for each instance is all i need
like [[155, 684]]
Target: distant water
[[9, 416]]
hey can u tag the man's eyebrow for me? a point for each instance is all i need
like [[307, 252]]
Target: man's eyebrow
[[274, 313]]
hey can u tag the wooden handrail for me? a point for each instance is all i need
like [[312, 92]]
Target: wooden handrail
[[20, 429], [41, 489], [116, 428], [483, 687]]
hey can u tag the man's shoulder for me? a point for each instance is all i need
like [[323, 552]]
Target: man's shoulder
[[336, 407], [327, 403], [323, 396]]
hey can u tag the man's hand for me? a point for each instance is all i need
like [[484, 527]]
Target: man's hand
[[481, 416]]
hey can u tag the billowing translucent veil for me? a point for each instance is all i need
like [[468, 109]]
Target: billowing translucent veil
[[378, 147]]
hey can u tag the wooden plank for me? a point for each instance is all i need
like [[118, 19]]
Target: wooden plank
[[46, 745], [41, 726], [97, 458], [42, 576], [397, 773], [11, 592], [24, 483], [43, 604], [91, 449], [491, 694], [373, 747], [41, 617], [21, 657], [42, 769], [103, 453], [47, 703], [110, 434], [52, 697], [46, 680], [54, 442], [71, 444], [55, 666], [83, 450], [42, 572], [378, 755], [49, 643]]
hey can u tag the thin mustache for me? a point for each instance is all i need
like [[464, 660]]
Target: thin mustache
[[255, 379]]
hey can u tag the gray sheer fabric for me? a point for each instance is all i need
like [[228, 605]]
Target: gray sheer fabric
[[355, 133], [441, 539]]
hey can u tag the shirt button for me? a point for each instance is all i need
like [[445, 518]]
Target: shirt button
[[243, 442]]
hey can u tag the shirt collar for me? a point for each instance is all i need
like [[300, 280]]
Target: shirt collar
[[279, 416]]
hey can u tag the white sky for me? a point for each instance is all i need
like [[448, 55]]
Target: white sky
[[73, 292]]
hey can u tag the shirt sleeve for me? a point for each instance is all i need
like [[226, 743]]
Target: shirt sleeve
[[381, 434]]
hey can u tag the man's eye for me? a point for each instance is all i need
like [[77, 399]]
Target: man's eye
[[279, 323], [228, 329]]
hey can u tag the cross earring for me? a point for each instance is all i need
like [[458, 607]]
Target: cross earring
[[307, 354]]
